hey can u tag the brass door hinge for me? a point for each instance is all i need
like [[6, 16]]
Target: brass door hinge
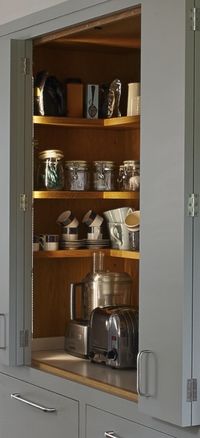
[[193, 205], [25, 66], [23, 202], [195, 19]]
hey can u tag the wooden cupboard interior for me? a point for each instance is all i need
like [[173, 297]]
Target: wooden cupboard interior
[[96, 52]]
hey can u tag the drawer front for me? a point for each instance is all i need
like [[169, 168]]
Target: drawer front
[[100, 422], [21, 420]]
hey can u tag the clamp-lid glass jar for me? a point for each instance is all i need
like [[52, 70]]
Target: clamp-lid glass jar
[[120, 178], [131, 179], [50, 175], [77, 175], [104, 175]]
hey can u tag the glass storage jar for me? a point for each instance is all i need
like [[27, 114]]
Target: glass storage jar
[[120, 178], [50, 175], [131, 179], [104, 175], [77, 175]]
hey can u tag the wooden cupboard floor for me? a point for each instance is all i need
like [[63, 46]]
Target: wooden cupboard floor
[[121, 383]]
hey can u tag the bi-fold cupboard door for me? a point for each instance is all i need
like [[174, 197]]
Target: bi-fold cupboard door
[[167, 154], [15, 221], [167, 162]]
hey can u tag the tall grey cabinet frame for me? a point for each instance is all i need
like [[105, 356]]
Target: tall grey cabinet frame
[[167, 328], [196, 220]]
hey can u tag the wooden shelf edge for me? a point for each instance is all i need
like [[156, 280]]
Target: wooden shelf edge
[[115, 122], [71, 253], [125, 254], [61, 194], [96, 384]]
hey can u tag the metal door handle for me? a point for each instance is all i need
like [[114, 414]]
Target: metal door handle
[[111, 435], [30, 403], [139, 373]]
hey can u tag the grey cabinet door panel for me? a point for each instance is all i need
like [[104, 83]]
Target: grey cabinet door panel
[[16, 135], [20, 420], [99, 422], [165, 299]]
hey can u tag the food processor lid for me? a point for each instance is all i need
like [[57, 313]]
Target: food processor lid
[[108, 277]]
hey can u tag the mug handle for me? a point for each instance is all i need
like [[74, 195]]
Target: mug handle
[[116, 233], [41, 241], [130, 211]]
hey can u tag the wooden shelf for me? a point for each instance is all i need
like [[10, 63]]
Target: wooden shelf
[[77, 253], [115, 122], [61, 194]]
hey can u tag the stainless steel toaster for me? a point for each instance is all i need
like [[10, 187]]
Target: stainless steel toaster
[[114, 336]]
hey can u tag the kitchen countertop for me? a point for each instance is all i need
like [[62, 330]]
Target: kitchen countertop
[[60, 363]]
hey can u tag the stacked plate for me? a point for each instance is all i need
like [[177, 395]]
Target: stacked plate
[[72, 244], [98, 243]]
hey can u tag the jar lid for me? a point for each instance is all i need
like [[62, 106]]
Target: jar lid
[[104, 164], [51, 153], [76, 164], [132, 163]]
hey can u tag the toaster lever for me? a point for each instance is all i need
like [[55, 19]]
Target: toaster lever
[[91, 354]]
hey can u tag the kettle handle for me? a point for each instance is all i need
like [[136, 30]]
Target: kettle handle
[[73, 287]]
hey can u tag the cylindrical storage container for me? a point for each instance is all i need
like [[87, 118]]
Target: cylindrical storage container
[[50, 174], [133, 104], [77, 175], [131, 179], [120, 178], [104, 175]]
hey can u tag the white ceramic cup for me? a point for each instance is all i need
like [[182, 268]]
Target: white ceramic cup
[[36, 246], [69, 233], [67, 219], [117, 214], [36, 242], [132, 220], [92, 219], [94, 233], [50, 246], [133, 103], [119, 236], [49, 242]]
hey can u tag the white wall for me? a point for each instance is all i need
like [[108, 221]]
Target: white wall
[[11, 10]]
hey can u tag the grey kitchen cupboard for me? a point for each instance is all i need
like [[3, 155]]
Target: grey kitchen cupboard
[[168, 297], [104, 424], [28, 411]]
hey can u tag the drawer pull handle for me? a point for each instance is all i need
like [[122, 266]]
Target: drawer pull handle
[[30, 403], [111, 435]]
